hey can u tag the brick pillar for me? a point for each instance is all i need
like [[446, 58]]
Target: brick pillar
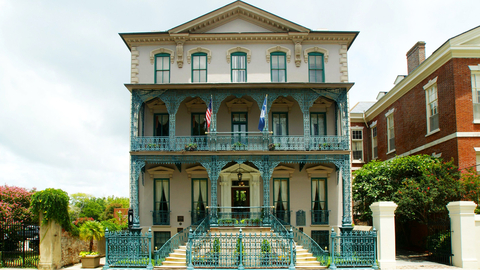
[[384, 221], [462, 222]]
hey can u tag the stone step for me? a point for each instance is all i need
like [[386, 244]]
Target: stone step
[[176, 259], [174, 263], [167, 267], [307, 263], [306, 258]]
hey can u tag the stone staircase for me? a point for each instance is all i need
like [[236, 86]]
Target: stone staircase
[[177, 259]]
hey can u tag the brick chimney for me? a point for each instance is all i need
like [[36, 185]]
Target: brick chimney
[[415, 56]]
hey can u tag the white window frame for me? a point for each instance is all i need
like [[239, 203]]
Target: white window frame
[[475, 79], [477, 158], [373, 127], [357, 141], [431, 103], [390, 127]]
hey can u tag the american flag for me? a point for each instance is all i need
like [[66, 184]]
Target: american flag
[[209, 114]]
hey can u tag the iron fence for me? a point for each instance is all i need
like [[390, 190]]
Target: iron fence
[[354, 249], [19, 245], [128, 249], [237, 250]]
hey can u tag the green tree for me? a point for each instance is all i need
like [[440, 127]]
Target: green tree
[[421, 185], [94, 208], [110, 209], [124, 201]]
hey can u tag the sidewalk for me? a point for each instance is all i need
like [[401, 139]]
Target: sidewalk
[[405, 262], [78, 266]]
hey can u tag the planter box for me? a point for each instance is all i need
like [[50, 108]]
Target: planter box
[[91, 261]]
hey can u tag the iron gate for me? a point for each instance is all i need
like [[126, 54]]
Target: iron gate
[[439, 242], [20, 245]]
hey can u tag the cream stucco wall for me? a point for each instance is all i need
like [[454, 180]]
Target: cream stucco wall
[[181, 190], [258, 70], [224, 118]]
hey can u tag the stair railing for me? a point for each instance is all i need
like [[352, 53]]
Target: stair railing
[[308, 243], [173, 243]]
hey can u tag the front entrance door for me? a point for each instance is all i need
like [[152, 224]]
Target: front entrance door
[[241, 198]]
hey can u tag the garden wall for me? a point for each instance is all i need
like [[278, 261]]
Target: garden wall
[[72, 246]]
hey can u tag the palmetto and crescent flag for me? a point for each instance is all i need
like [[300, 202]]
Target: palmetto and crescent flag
[[261, 123], [208, 115]]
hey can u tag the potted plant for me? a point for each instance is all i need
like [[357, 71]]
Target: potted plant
[[191, 147], [265, 252], [216, 251], [239, 146], [89, 231], [324, 146], [271, 147]]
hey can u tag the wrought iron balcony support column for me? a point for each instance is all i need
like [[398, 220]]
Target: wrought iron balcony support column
[[135, 170]]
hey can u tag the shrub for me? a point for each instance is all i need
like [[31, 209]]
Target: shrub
[[53, 205]]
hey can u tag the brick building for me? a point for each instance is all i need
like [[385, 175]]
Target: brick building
[[433, 110]]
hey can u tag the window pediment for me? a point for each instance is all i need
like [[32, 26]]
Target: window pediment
[[239, 49], [196, 103], [196, 170], [162, 50], [278, 49], [156, 105], [322, 102], [160, 171], [199, 50], [319, 169], [283, 170], [316, 49], [239, 104], [283, 102]]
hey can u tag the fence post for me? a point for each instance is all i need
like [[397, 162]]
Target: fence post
[[462, 226], [292, 257], [149, 234], [332, 249], [50, 246], [189, 250], [240, 266], [374, 234], [106, 266], [384, 220]]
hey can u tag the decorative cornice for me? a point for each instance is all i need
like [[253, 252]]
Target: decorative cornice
[[239, 103], [278, 49], [140, 39], [162, 50], [316, 49], [199, 49], [430, 83], [239, 49]]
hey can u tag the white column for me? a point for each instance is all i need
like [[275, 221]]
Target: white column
[[462, 222], [255, 192], [384, 221]]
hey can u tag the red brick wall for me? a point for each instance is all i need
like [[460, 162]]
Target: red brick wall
[[455, 115]]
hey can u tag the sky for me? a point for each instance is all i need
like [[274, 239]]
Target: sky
[[64, 110]]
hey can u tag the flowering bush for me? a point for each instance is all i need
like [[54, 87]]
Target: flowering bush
[[421, 185], [14, 204], [471, 183]]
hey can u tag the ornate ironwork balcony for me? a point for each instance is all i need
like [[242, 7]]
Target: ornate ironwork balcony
[[240, 142], [282, 216], [320, 216], [161, 217]]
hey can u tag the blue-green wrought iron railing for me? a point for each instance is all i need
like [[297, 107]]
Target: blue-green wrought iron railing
[[282, 216], [240, 142], [127, 249], [198, 216], [173, 243], [309, 244], [353, 249], [240, 250], [161, 217], [320, 216]]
